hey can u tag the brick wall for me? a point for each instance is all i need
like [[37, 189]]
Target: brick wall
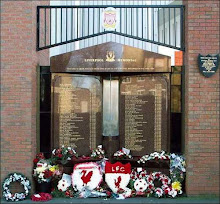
[[202, 99], [19, 60]]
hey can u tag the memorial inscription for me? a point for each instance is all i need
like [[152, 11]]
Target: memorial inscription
[[83, 106], [143, 115], [77, 112]]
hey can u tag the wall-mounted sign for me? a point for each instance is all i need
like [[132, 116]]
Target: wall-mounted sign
[[208, 64], [110, 57], [110, 19]]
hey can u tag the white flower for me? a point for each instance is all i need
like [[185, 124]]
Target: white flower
[[159, 192], [53, 152], [173, 193], [40, 169]]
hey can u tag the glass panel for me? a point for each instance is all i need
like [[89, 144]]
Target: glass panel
[[110, 107]]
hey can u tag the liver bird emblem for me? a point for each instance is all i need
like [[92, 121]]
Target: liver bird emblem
[[86, 177], [117, 182]]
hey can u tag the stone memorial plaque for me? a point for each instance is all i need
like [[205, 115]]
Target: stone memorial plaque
[[76, 106], [144, 113], [110, 57]]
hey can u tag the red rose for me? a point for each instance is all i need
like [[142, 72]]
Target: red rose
[[150, 179], [157, 175], [60, 155], [150, 186], [166, 191], [48, 174], [148, 191], [40, 155], [67, 193], [35, 160]]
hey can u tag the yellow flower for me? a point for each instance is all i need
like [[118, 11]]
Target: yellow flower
[[54, 168], [176, 185]]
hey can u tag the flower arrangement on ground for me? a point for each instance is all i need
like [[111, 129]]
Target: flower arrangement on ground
[[39, 156], [98, 153], [16, 177], [64, 154], [122, 154], [141, 183], [154, 156], [44, 172], [177, 167]]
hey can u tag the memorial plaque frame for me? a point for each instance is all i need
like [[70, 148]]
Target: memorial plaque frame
[[139, 128], [74, 113], [116, 60]]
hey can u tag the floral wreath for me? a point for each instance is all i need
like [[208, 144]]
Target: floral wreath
[[154, 156], [141, 175], [165, 180], [122, 154], [16, 177]]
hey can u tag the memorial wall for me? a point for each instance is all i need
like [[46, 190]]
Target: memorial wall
[[141, 97]]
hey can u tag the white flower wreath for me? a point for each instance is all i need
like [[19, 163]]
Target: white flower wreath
[[16, 177]]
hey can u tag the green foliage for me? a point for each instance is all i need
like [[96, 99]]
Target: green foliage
[[58, 194]]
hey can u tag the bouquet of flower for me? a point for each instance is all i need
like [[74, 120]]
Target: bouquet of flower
[[177, 167], [44, 172], [154, 156], [123, 154], [64, 154], [98, 153], [39, 156], [138, 173]]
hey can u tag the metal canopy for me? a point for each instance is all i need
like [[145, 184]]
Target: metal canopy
[[157, 24]]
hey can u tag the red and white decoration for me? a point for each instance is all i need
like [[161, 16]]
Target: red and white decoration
[[86, 175], [165, 180], [140, 185], [117, 176], [64, 183]]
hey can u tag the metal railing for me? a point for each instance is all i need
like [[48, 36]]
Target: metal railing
[[158, 24]]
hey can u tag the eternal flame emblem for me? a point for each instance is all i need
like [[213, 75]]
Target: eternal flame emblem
[[208, 65], [110, 57]]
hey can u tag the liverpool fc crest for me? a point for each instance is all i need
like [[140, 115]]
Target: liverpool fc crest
[[208, 65], [110, 19]]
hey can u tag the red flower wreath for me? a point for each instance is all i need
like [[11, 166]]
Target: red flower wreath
[[41, 197]]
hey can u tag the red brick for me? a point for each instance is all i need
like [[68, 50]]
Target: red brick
[[18, 67], [202, 104]]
